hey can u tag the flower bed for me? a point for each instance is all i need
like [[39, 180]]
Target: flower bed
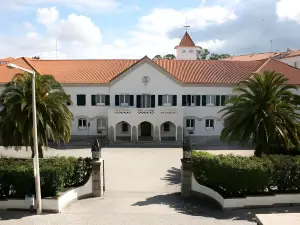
[[57, 173], [238, 177]]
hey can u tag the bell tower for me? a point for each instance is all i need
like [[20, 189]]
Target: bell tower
[[186, 50]]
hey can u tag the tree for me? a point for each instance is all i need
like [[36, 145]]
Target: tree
[[202, 53], [157, 57], [169, 56], [54, 119], [264, 113], [215, 56], [36, 57]]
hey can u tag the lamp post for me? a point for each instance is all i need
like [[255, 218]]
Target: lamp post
[[97, 146], [35, 143]]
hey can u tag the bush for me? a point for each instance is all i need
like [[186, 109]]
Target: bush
[[17, 178], [237, 176]]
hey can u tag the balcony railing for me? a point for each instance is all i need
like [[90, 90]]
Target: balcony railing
[[168, 111]]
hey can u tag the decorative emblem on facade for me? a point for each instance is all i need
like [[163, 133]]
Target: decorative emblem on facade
[[145, 80]]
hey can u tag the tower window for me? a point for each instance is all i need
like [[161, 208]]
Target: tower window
[[183, 51], [191, 51]]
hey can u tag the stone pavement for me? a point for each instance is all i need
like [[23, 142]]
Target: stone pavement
[[142, 187]]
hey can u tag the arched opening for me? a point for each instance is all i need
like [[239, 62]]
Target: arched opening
[[123, 131], [168, 131], [145, 131]]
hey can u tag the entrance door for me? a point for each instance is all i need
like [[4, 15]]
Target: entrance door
[[146, 129]]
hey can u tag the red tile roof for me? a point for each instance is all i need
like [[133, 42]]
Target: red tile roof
[[186, 41], [252, 57], [185, 71], [9, 59], [293, 54]]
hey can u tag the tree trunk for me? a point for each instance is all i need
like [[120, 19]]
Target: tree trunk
[[41, 153]]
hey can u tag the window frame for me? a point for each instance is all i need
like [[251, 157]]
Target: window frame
[[169, 100], [102, 124], [189, 121], [211, 124], [124, 103], [210, 100], [82, 127], [101, 97]]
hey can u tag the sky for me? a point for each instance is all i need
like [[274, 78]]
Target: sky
[[86, 29]]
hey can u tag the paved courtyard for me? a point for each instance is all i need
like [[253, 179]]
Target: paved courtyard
[[142, 187]]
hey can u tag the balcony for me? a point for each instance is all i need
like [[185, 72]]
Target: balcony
[[159, 114]]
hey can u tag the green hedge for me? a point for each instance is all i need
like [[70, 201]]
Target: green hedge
[[237, 176], [57, 173]]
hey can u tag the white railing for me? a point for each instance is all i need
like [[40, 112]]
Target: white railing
[[167, 111]]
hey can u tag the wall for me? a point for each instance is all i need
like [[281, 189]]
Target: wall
[[170, 133], [120, 133], [291, 61], [186, 55]]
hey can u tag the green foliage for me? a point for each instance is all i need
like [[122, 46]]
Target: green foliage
[[214, 56], [237, 176], [264, 112], [54, 119], [167, 56], [17, 180]]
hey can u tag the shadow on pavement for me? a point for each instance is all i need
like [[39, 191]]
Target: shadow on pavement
[[206, 207], [173, 176], [14, 215]]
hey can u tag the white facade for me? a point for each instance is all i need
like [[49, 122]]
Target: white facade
[[292, 61], [152, 121], [186, 53]]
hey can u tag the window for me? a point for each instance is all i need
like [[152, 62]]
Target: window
[[167, 99], [101, 124], [145, 101], [183, 51], [210, 100], [100, 99], [209, 124], [167, 127], [124, 127], [190, 123], [191, 100], [124, 100], [81, 100], [82, 124], [191, 51]]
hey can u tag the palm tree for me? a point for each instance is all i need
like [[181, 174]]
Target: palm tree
[[54, 119], [264, 112]]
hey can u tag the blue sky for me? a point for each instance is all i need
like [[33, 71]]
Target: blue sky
[[134, 28]]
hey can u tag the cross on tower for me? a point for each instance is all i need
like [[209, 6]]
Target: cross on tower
[[186, 25]]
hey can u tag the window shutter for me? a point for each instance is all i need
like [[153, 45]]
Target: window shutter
[[187, 123], [80, 100], [107, 100], [198, 100], [117, 100], [183, 100], [160, 100], [223, 99], [93, 99], [131, 100], [217, 100], [174, 100], [212, 123], [203, 100], [152, 101], [138, 101], [193, 123], [206, 123]]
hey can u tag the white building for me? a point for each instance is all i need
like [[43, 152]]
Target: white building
[[150, 100]]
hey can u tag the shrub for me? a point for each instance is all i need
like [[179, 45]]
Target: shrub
[[237, 176], [17, 180]]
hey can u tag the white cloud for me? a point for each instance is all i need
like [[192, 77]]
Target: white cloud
[[288, 10], [163, 20], [77, 4], [212, 45], [78, 29], [79, 37], [47, 15], [27, 25]]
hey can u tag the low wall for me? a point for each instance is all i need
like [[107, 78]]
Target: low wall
[[55, 205], [246, 202]]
